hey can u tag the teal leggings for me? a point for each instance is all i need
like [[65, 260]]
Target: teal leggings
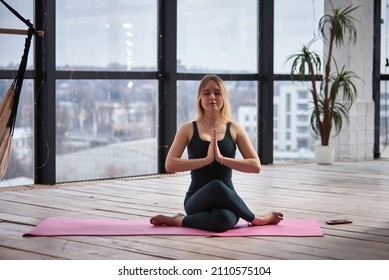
[[215, 207]]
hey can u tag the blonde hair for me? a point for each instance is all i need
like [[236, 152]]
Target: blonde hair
[[225, 110]]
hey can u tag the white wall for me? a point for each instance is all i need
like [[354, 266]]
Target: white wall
[[356, 140]]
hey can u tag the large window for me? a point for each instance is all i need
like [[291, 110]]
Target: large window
[[115, 89], [293, 140], [106, 128]]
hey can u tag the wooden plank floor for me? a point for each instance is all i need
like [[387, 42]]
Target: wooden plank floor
[[353, 190]]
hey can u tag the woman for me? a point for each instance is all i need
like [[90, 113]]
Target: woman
[[211, 203]]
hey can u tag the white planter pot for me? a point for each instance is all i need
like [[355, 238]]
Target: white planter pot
[[324, 154]]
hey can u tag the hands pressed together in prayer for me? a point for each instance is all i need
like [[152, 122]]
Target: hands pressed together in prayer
[[213, 149]]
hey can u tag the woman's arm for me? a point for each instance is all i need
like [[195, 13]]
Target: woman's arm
[[174, 162], [250, 162]]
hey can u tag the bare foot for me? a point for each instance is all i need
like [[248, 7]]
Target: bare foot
[[271, 218], [162, 220]]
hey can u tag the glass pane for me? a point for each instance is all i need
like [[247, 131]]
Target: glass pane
[[384, 120], [293, 139], [217, 36], [295, 25], [20, 164], [106, 35], [106, 128], [243, 100], [12, 46]]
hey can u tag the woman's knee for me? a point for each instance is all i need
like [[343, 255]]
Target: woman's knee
[[223, 220], [218, 187]]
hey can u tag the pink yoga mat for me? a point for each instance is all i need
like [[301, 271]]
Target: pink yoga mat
[[92, 227]]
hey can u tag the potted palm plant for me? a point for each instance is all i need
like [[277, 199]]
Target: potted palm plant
[[337, 92]]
